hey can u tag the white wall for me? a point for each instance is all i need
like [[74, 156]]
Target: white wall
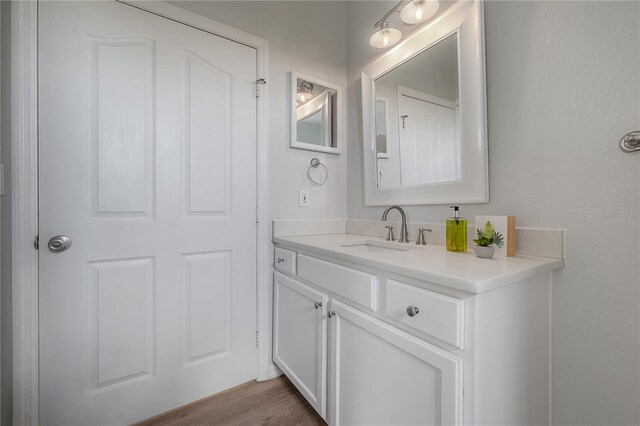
[[308, 37], [563, 81]]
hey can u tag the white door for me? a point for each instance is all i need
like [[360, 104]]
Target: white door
[[300, 337], [380, 375], [429, 140], [147, 162]]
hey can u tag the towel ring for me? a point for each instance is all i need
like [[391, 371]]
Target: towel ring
[[315, 164], [630, 142]]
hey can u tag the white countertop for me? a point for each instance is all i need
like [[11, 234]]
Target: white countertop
[[433, 263]]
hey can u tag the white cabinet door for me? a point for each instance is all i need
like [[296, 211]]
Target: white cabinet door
[[380, 375], [300, 338]]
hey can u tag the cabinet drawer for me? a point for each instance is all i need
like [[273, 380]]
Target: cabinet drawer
[[354, 285], [438, 315], [285, 260]]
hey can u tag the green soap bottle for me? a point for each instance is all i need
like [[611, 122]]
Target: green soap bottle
[[456, 232]]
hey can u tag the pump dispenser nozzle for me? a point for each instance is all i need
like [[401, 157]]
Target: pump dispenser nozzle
[[456, 212]]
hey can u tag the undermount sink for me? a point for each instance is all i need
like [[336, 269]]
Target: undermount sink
[[376, 247]]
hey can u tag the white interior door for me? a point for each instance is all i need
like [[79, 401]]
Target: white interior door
[[429, 142], [147, 162]]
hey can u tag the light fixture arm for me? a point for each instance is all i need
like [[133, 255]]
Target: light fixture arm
[[391, 11]]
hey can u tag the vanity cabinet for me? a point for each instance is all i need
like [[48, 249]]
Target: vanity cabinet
[[378, 374], [367, 346]]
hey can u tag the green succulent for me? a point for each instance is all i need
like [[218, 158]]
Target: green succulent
[[487, 236]]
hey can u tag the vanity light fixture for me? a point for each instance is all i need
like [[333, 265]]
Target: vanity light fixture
[[411, 12], [385, 36], [418, 11], [304, 92]]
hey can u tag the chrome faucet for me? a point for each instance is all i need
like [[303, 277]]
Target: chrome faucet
[[404, 234]]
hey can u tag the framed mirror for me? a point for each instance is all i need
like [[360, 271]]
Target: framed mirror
[[316, 112], [424, 115]]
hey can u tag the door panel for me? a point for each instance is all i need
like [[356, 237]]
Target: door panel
[[147, 144], [120, 104], [300, 337], [380, 375]]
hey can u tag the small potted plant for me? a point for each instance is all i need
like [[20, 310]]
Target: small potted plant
[[487, 239]]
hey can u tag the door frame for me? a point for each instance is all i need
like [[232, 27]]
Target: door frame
[[24, 193]]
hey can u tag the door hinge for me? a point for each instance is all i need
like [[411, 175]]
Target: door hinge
[[36, 242], [1, 179], [257, 339], [257, 214], [259, 82]]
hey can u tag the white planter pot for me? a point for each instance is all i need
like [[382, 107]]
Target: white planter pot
[[485, 252]]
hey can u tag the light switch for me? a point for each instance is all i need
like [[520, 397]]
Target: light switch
[[304, 198]]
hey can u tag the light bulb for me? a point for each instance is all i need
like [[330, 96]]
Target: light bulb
[[419, 11], [302, 97], [385, 37], [304, 92]]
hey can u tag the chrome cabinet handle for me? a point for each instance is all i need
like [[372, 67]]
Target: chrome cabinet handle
[[332, 314], [59, 243], [280, 259], [317, 305], [412, 311]]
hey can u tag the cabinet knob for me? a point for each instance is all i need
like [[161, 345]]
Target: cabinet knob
[[332, 314], [412, 311], [317, 305], [280, 259]]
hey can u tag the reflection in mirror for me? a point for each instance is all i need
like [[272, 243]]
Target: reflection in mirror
[[417, 115], [381, 127], [316, 124], [314, 120]]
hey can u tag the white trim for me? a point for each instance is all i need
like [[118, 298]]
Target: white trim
[[425, 97], [466, 18], [24, 160], [24, 209], [293, 121]]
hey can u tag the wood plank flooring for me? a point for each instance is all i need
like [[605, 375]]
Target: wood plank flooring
[[271, 403]]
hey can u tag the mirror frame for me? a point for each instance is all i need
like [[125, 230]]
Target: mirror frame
[[293, 133], [467, 19]]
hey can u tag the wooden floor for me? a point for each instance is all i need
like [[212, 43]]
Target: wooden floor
[[275, 402]]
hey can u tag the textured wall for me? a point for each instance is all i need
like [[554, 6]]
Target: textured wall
[[563, 83]]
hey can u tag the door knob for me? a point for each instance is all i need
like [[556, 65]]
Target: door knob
[[317, 305], [412, 311], [59, 243]]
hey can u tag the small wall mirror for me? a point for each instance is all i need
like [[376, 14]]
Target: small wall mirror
[[424, 115], [316, 112]]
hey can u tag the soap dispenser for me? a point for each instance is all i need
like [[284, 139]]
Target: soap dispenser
[[456, 232]]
